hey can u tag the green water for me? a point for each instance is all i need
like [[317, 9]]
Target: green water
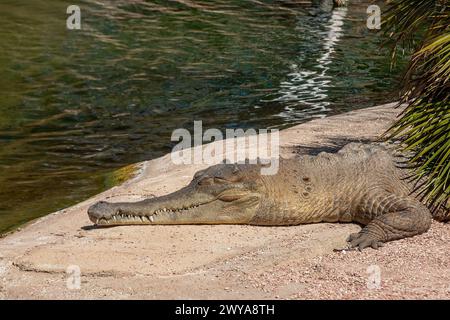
[[77, 104]]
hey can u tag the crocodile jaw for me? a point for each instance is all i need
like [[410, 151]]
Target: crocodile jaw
[[119, 215], [209, 211]]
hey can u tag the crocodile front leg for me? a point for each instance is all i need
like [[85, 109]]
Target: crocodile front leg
[[394, 217]]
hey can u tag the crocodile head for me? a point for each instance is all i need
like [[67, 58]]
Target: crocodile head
[[221, 194]]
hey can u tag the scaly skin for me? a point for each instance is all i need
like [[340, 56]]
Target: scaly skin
[[360, 183]]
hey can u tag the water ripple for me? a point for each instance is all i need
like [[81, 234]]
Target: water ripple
[[77, 104]]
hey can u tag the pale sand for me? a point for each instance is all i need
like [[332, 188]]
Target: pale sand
[[223, 262]]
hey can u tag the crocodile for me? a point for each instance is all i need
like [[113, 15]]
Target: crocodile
[[361, 183]]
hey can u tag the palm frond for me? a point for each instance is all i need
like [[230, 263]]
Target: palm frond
[[424, 126]]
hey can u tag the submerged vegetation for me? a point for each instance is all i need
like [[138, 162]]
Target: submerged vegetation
[[424, 127], [121, 175]]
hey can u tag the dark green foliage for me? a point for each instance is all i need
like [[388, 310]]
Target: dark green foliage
[[424, 126]]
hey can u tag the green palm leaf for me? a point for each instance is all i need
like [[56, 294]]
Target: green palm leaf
[[424, 125]]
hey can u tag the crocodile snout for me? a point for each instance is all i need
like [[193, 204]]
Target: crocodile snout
[[101, 209]]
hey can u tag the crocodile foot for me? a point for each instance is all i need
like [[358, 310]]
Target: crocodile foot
[[362, 240]]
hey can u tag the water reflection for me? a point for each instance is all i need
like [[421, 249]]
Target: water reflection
[[75, 105], [307, 87]]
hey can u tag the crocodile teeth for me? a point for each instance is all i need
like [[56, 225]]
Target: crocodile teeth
[[151, 218]]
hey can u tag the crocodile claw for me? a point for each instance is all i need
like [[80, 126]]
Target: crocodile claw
[[363, 240]]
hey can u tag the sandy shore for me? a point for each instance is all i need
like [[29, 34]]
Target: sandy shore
[[223, 262]]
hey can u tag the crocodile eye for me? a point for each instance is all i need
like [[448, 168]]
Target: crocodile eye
[[220, 180], [206, 181]]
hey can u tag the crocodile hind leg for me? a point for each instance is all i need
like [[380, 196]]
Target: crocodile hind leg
[[389, 217]]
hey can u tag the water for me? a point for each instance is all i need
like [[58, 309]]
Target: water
[[77, 104]]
